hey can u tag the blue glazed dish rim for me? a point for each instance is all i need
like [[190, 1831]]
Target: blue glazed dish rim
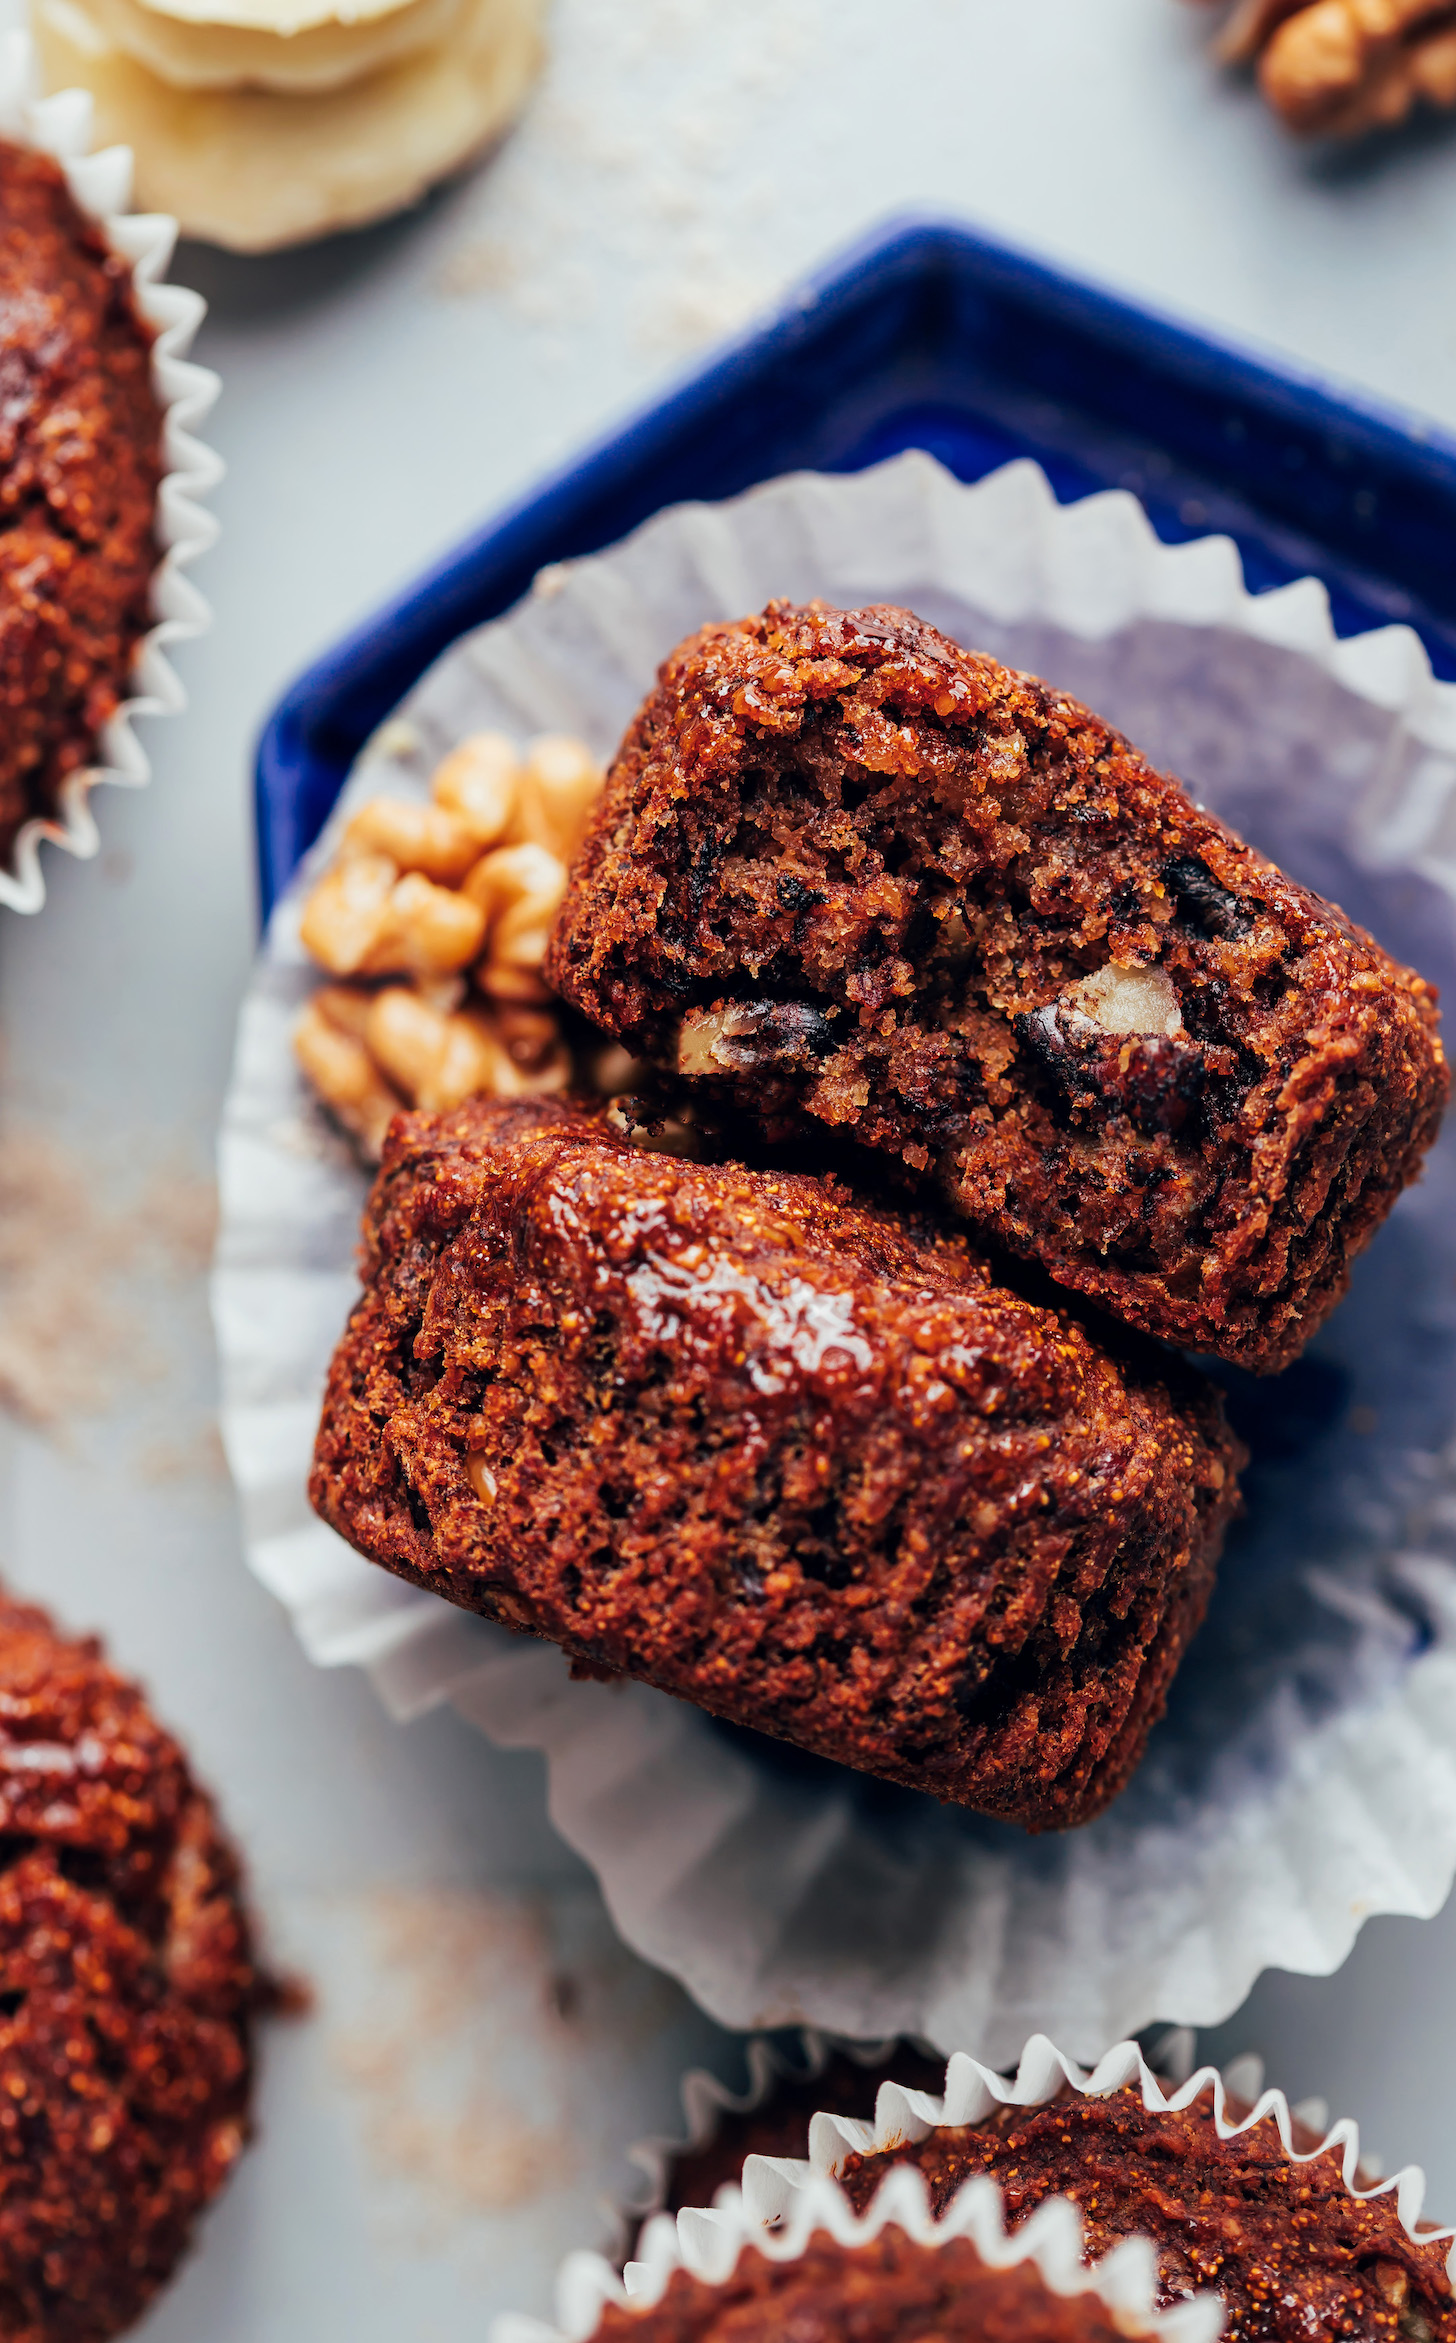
[[324, 718]]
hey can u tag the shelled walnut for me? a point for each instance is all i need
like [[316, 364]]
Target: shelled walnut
[[432, 921], [1337, 68]]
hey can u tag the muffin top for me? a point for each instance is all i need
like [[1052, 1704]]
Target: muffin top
[[892, 2289], [1296, 2257], [80, 462], [127, 1983]]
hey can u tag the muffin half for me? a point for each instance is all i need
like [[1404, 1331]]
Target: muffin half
[[803, 1463], [848, 877]]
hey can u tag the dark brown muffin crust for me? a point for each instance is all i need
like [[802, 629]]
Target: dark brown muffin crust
[[889, 2290], [126, 1987], [846, 874], [80, 462], [730, 1432], [1295, 2257]]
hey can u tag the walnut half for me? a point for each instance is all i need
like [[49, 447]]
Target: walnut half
[[434, 917], [1338, 68]]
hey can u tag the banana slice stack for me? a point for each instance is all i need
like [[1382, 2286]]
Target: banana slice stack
[[262, 123]]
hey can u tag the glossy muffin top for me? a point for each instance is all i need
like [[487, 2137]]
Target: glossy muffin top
[[80, 462], [127, 1984], [890, 2290]]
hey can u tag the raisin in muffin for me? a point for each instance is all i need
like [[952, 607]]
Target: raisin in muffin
[[891, 2289]]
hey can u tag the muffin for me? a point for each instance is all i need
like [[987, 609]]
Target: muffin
[[128, 1985], [893, 2289], [798, 1461], [848, 878], [899, 2275], [1294, 2254], [80, 464]]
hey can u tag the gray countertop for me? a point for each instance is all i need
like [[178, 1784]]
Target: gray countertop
[[451, 2116]]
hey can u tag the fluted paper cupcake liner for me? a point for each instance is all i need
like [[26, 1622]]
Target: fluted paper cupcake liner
[[100, 186], [773, 2187], [707, 2099], [707, 2241], [1305, 1775]]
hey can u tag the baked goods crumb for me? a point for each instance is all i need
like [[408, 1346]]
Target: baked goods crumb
[[128, 1989], [892, 2289], [1295, 2257], [849, 880], [1339, 68], [80, 466], [797, 1461]]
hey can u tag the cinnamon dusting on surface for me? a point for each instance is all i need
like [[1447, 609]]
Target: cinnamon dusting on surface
[[438, 2111], [73, 1333], [799, 1461]]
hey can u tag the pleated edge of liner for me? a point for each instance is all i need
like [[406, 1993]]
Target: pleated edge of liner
[[771, 2185], [707, 2099], [707, 2243], [100, 186]]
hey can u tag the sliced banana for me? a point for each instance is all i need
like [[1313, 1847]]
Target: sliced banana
[[292, 56], [256, 169]]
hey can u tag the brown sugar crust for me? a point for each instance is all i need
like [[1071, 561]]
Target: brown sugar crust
[[1295, 2256], [80, 462], [889, 2290], [783, 1456], [846, 874], [780, 2126], [126, 1987]]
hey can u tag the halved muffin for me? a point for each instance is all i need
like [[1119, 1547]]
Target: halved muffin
[[799, 1461], [846, 877]]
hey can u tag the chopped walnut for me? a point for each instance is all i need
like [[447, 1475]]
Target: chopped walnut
[[1337, 68], [433, 918]]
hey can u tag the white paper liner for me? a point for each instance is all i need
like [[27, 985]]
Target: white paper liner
[[707, 2099], [773, 2185], [100, 186], [1305, 1776], [707, 2241]]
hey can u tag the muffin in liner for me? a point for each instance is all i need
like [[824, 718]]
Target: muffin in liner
[[100, 186], [1304, 1776], [772, 2186], [707, 2241]]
